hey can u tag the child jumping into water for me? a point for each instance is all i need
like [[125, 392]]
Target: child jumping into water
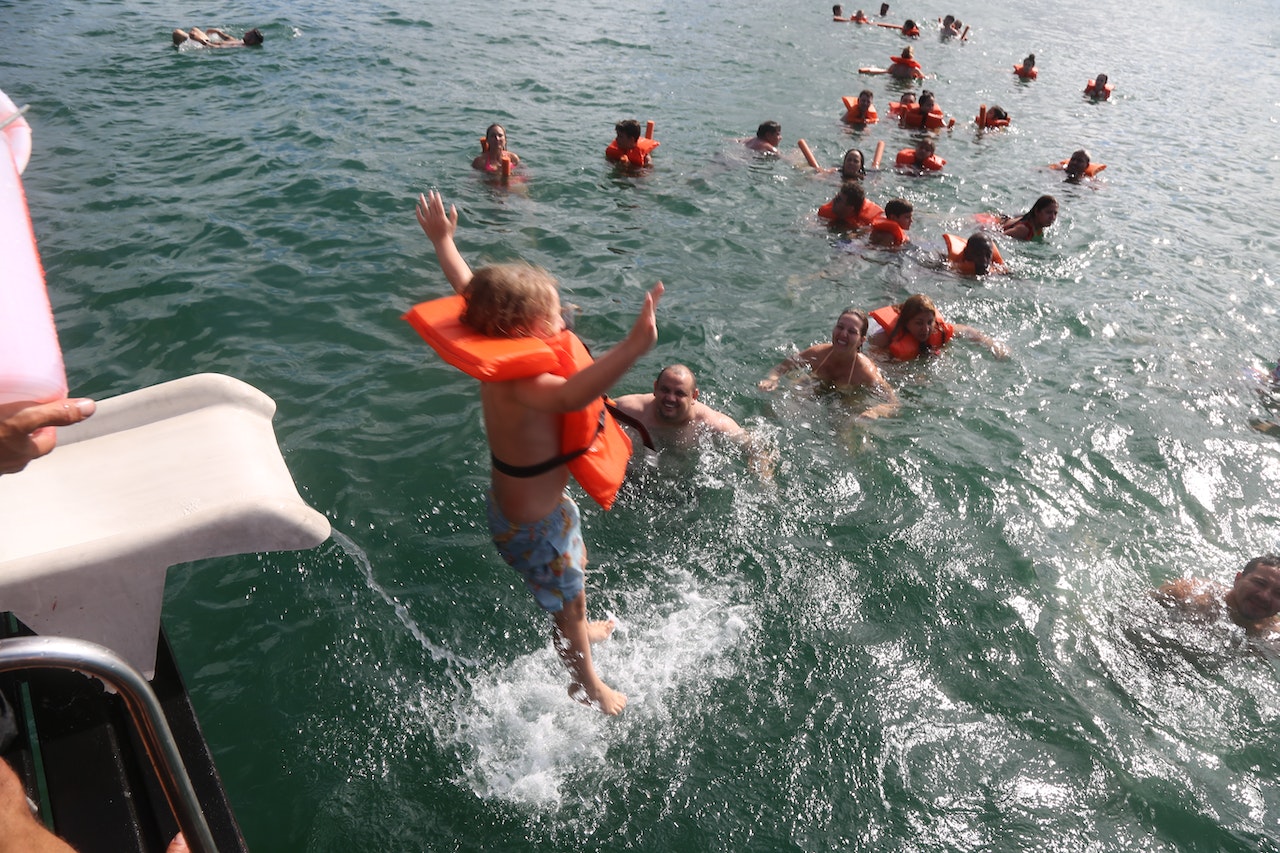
[[534, 523]]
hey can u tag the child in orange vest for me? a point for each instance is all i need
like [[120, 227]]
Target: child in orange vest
[[534, 523]]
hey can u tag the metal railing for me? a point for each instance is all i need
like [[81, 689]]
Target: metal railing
[[22, 653]]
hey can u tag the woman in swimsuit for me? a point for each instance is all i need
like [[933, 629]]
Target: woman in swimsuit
[[1031, 224], [841, 364], [495, 151]]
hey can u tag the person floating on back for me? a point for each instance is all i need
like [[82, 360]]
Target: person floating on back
[[214, 37], [537, 424]]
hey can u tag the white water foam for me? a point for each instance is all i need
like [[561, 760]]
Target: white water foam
[[525, 741]]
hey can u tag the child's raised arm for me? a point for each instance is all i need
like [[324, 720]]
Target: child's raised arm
[[439, 228], [552, 393]]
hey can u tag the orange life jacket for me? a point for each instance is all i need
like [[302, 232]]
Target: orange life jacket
[[896, 235], [907, 159], [1089, 171], [637, 155], [914, 117], [1092, 90], [906, 347], [1025, 73], [869, 213], [596, 447], [853, 112]]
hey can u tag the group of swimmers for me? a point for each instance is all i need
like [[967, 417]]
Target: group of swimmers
[[539, 436], [850, 210]]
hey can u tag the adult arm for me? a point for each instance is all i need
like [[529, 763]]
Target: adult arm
[[27, 429], [770, 382], [440, 228], [880, 386]]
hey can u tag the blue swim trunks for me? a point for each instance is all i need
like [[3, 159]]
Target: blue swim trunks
[[548, 554]]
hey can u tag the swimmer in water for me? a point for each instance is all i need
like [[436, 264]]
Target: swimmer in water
[[919, 329], [1252, 601], [673, 417], [853, 167], [767, 139], [841, 364], [850, 208], [214, 37], [495, 151], [1078, 166], [1098, 89], [837, 13], [891, 230], [1032, 224]]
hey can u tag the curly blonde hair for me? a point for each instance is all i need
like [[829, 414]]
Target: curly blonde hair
[[512, 301]]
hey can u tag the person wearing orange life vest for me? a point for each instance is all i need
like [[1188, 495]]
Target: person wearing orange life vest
[[915, 327], [921, 158], [1098, 88], [1079, 166], [495, 151], [862, 110], [629, 146], [534, 523], [850, 208], [924, 114], [891, 230], [841, 363]]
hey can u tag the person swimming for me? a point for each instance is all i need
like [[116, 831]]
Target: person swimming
[[841, 364], [1032, 224], [495, 151]]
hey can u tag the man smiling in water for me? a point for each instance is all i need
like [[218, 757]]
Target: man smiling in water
[[672, 413], [1252, 602], [673, 417]]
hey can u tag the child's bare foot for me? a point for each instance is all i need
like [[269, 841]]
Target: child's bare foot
[[599, 630], [605, 699]]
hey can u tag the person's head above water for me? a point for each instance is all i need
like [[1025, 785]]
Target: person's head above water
[[1255, 594], [769, 131], [1078, 164], [927, 101], [917, 317], [627, 134], [674, 393], [253, 36], [979, 252], [849, 200], [853, 166], [850, 330], [1044, 212], [495, 136]]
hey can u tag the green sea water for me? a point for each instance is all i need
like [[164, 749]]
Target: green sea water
[[928, 633]]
